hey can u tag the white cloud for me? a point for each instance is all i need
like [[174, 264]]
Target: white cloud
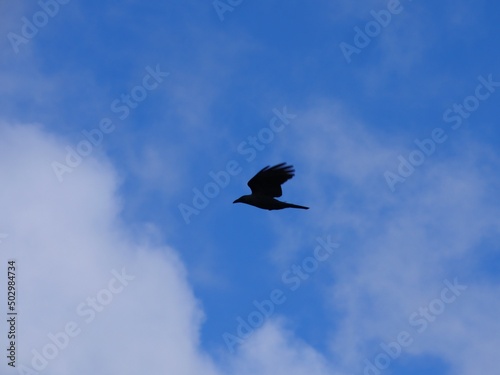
[[273, 350], [67, 239]]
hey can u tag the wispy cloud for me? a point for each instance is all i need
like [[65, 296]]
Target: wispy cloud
[[406, 245]]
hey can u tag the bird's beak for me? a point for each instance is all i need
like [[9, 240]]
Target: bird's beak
[[237, 200]]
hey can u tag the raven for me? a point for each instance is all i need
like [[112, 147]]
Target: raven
[[266, 185]]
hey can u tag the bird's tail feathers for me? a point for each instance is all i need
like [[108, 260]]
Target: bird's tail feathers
[[291, 205]]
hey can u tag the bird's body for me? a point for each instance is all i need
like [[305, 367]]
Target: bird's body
[[266, 185], [266, 203]]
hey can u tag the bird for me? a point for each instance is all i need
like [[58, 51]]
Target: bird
[[266, 185]]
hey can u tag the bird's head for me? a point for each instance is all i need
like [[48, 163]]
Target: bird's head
[[242, 199]]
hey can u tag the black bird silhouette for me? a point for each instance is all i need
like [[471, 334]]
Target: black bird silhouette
[[266, 185]]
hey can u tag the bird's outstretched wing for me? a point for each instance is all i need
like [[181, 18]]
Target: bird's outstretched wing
[[269, 180]]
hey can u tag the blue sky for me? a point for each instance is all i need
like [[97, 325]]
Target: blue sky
[[115, 117]]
